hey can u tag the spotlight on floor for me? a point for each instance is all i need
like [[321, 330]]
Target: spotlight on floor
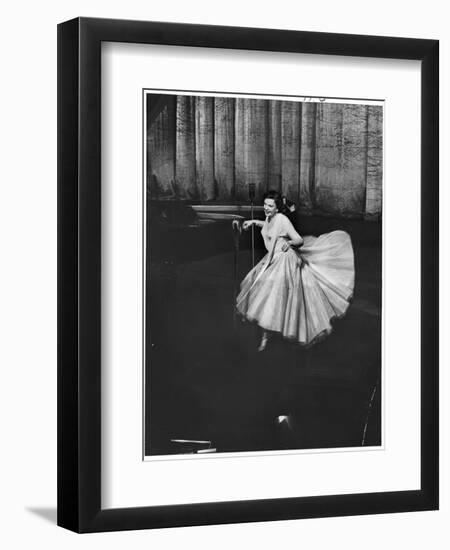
[[287, 431]]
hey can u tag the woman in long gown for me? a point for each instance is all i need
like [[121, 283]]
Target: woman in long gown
[[301, 284]]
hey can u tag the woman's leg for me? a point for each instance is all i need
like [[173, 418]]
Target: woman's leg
[[264, 340]]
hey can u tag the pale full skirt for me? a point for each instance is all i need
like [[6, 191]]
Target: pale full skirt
[[298, 293]]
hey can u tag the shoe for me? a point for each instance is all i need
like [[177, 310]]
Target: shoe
[[263, 343]]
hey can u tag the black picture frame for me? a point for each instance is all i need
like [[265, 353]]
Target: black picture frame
[[79, 274]]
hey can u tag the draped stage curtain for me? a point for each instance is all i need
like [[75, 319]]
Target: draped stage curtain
[[323, 156]]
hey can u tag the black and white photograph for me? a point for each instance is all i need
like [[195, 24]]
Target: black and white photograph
[[225, 266], [263, 273]]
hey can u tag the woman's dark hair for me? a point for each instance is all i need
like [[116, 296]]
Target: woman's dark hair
[[277, 198]]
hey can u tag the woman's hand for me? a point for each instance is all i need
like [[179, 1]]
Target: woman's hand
[[248, 223], [286, 246]]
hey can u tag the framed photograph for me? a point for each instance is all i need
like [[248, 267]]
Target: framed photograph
[[248, 275]]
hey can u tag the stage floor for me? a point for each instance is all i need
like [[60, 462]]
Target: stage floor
[[205, 379]]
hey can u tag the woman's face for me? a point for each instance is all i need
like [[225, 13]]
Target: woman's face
[[270, 208]]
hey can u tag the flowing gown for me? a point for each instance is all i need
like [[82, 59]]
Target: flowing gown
[[299, 292]]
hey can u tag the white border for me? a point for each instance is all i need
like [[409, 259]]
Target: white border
[[127, 481]]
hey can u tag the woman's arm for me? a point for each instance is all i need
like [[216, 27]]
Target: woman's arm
[[249, 223], [294, 239]]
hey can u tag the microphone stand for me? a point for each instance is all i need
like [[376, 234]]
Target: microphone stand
[[236, 227], [251, 193]]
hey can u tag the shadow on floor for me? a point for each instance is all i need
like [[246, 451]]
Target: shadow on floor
[[48, 514]]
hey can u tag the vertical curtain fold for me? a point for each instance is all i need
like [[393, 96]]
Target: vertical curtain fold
[[224, 148], [340, 165], [307, 156], [290, 148], [274, 145], [185, 165], [204, 147], [161, 152], [374, 161], [251, 146]]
